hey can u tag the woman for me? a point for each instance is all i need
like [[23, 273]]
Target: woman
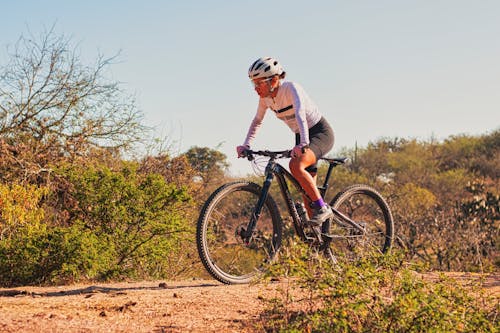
[[313, 135]]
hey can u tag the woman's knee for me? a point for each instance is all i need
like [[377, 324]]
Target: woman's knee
[[296, 167]]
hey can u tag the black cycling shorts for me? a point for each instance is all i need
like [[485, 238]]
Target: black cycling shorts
[[321, 139]]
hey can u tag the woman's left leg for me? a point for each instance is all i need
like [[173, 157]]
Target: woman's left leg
[[298, 167], [304, 167]]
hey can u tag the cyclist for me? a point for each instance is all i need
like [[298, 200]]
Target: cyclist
[[313, 135]]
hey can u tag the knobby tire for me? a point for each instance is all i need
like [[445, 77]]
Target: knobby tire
[[367, 207], [222, 251]]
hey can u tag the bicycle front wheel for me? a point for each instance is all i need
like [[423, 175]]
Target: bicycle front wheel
[[223, 218], [369, 210]]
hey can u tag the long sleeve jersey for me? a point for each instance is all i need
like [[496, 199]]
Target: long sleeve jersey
[[293, 106]]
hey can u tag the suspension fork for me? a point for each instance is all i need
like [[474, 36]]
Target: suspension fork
[[246, 235]]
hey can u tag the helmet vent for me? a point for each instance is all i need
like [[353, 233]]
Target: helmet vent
[[253, 65], [265, 67]]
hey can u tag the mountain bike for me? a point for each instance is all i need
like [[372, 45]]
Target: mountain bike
[[240, 228]]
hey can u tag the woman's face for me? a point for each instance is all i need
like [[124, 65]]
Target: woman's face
[[264, 86]]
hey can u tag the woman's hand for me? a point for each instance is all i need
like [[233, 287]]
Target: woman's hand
[[298, 150], [241, 150]]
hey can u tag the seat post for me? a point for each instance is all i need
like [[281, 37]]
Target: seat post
[[322, 189], [332, 163]]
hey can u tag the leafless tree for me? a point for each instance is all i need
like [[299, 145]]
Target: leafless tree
[[48, 96]]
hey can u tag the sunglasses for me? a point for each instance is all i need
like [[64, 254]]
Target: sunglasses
[[260, 82]]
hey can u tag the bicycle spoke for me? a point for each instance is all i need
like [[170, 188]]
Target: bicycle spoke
[[223, 250], [363, 206]]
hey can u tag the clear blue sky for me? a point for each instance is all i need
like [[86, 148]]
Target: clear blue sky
[[376, 68]]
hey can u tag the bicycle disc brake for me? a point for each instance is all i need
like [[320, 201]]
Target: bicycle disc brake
[[241, 233]]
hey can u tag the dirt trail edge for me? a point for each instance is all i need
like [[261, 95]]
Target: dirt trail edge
[[153, 306], [186, 306]]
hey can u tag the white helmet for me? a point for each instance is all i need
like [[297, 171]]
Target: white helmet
[[265, 67]]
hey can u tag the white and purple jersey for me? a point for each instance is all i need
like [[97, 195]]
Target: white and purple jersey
[[293, 106]]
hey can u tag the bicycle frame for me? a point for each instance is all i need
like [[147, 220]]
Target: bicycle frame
[[240, 228], [274, 169], [282, 175]]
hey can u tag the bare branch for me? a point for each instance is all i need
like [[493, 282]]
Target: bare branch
[[46, 92]]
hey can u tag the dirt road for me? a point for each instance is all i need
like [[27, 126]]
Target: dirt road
[[187, 306]]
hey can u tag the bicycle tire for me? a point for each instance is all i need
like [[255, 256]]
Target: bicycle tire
[[221, 250], [367, 207]]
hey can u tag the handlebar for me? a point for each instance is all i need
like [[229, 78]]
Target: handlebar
[[249, 154]]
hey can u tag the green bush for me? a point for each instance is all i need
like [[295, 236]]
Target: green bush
[[51, 255], [139, 217], [20, 209], [377, 296], [32, 252], [124, 224], [444, 222]]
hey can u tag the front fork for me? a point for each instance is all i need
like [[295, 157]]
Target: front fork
[[246, 235]]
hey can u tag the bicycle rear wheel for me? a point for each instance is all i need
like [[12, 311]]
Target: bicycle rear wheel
[[221, 248], [367, 208]]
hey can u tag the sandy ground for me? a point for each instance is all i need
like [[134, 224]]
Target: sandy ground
[[186, 306], [189, 306]]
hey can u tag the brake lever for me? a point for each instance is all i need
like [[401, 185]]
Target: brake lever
[[248, 154]]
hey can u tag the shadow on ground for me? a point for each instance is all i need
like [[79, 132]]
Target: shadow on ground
[[98, 289]]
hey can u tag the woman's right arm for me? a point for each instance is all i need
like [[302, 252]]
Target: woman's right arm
[[256, 123]]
